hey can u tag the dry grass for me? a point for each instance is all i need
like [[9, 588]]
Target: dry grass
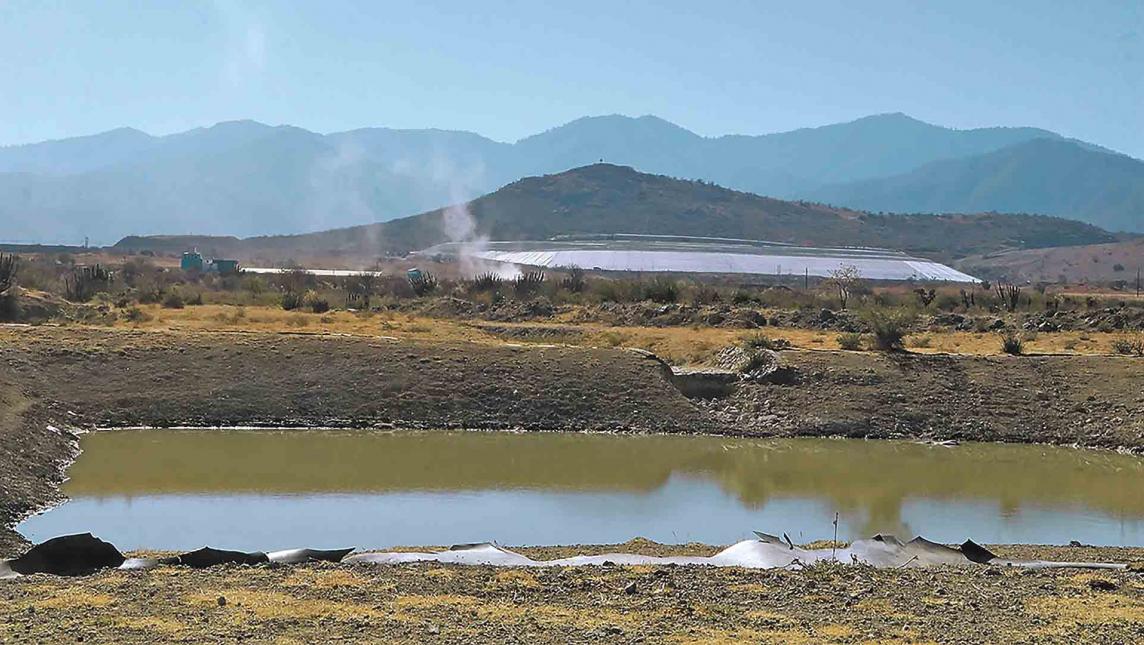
[[323, 603], [678, 345], [244, 604]]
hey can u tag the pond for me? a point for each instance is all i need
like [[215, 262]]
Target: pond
[[263, 490]]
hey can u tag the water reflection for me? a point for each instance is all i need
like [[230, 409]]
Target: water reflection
[[434, 487]]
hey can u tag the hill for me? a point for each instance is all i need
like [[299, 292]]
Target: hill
[[245, 178], [1117, 261], [1047, 176], [605, 198]]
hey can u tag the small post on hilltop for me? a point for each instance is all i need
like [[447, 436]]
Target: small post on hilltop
[[806, 279]]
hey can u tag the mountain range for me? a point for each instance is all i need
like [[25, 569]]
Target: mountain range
[[245, 178], [605, 198]]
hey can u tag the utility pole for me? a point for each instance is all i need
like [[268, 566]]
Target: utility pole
[[806, 279], [1137, 282]]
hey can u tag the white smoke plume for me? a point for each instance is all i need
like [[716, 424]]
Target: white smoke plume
[[460, 226]]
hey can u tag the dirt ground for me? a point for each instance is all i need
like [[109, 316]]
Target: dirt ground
[[82, 377], [433, 603], [87, 378], [1072, 400]]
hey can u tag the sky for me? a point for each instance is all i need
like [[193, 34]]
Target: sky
[[508, 69]]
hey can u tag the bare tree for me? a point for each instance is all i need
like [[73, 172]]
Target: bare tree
[[926, 296], [844, 280]]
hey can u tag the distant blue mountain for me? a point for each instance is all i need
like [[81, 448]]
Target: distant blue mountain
[[1045, 176], [247, 178]]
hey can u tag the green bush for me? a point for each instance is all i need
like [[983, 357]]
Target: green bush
[[291, 300], [9, 267], [662, 290], [173, 301], [1012, 344], [316, 304], [575, 281], [485, 282], [889, 327], [85, 282], [423, 283], [850, 340], [528, 283]]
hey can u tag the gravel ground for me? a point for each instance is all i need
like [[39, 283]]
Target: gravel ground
[[455, 604]]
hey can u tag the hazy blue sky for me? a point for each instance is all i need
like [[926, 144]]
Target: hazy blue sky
[[507, 69]]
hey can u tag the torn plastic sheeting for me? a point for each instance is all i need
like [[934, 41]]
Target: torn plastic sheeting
[[767, 552], [84, 553]]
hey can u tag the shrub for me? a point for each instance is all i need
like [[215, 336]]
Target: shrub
[[705, 295], [136, 315], [761, 341], [889, 327], [744, 297], [757, 361], [196, 299], [173, 301], [486, 282], [1128, 347], [662, 290], [85, 282], [1012, 344], [291, 300], [316, 304], [423, 283], [613, 338], [1010, 295], [615, 290], [9, 267], [528, 283], [850, 340], [575, 281]]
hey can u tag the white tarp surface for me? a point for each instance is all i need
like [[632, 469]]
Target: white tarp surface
[[767, 552], [874, 268]]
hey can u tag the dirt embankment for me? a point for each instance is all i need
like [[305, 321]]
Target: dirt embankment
[[32, 458], [84, 378], [120, 378], [1092, 401], [76, 378]]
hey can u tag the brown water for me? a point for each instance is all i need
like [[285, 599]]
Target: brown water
[[270, 489]]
